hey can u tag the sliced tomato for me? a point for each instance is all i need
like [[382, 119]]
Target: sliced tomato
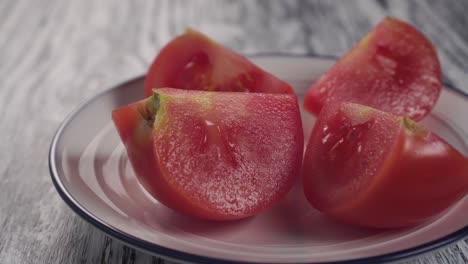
[[192, 61], [394, 68], [214, 155], [371, 168]]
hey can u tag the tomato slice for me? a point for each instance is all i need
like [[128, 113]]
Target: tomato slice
[[394, 68], [192, 61], [214, 155], [371, 168]]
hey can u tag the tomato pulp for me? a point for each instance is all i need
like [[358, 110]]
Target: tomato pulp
[[371, 168], [192, 61], [214, 155]]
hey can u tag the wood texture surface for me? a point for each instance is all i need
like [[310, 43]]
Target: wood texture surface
[[56, 54]]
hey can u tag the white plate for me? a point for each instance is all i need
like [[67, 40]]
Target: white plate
[[90, 170]]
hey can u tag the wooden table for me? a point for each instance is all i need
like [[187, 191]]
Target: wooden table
[[56, 54]]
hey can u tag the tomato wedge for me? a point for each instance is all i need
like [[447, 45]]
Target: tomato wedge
[[192, 61], [214, 155], [371, 168], [394, 68]]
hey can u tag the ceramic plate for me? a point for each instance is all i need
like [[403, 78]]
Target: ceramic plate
[[91, 172]]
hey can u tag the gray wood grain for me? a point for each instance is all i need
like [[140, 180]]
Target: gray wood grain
[[55, 54]]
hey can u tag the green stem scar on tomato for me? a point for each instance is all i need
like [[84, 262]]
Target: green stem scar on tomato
[[394, 68], [193, 61], [213, 155], [371, 168]]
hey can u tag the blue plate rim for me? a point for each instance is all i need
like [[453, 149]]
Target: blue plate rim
[[193, 258]]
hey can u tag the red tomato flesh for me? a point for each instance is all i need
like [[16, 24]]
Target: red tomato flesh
[[192, 61], [214, 155], [371, 168], [394, 68]]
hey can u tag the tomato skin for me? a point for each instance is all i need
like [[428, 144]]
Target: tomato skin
[[136, 136], [212, 155], [420, 185], [394, 68], [192, 61], [418, 177]]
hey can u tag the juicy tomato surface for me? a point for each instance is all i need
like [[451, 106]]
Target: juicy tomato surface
[[375, 169], [192, 61], [394, 68], [214, 155]]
